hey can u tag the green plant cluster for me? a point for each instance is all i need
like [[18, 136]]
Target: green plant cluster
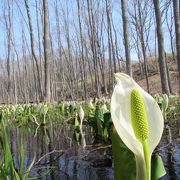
[[96, 115], [8, 170], [170, 106]]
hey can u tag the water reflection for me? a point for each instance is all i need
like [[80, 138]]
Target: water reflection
[[171, 150], [67, 165], [54, 146]]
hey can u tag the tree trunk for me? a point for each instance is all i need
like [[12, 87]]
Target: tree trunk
[[93, 40], [126, 37], [162, 63], [170, 29], [82, 52], [47, 52], [8, 25], [33, 49], [177, 30], [38, 23], [141, 31], [61, 68], [168, 74]]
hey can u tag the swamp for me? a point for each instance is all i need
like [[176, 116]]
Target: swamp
[[89, 89], [48, 142]]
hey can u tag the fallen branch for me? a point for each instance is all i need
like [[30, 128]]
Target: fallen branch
[[96, 149], [47, 154]]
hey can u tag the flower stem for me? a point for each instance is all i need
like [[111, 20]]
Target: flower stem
[[147, 159]]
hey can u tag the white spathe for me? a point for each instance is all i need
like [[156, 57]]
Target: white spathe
[[121, 115], [81, 115]]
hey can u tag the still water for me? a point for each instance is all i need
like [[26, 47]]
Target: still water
[[55, 151]]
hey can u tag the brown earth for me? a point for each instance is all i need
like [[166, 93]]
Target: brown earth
[[155, 83]]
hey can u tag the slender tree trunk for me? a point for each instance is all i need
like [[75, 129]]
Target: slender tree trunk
[[47, 52], [177, 30], [110, 58], [162, 63], [89, 66], [168, 74], [33, 49], [126, 37], [8, 24], [82, 52], [25, 69], [92, 37], [61, 68], [15, 75], [52, 67], [116, 46], [38, 22], [141, 31], [110, 49], [170, 29]]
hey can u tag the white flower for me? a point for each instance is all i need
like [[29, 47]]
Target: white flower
[[104, 108], [91, 106], [81, 116], [122, 120]]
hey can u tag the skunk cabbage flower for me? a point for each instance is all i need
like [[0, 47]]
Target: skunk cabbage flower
[[91, 106], [138, 121], [104, 108], [44, 109], [81, 115]]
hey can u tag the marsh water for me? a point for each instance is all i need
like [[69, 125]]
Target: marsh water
[[58, 156]]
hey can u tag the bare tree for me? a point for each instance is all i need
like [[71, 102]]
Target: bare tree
[[162, 63], [8, 25], [83, 47], [170, 23], [126, 37], [47, 94], [61, 70], [177, 30], [82, 51], [38, 23], [33, 48], [93, 41], [142, 24]]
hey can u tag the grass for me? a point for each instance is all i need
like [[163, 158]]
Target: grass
[[7, 166]]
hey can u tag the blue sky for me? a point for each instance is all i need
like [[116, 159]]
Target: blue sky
[[19, 21]]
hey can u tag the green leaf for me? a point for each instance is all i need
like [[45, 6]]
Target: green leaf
[[158, 169], [107, 120], [124, 161], [21, 157], [76, 121], [99, 116], [77, 136], [105, 134]]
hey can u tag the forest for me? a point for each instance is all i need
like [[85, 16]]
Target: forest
[[89, 89]]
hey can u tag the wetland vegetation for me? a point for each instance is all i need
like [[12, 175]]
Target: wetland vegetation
[[49, 141]]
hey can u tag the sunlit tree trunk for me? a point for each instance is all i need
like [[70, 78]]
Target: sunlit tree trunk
[[82, 51], [47, 94], [126, 37], [141, 31], [33, 48], [61, 68], [162, 63], [8, 25], [38, 24], [177, 30], [93, 39]]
